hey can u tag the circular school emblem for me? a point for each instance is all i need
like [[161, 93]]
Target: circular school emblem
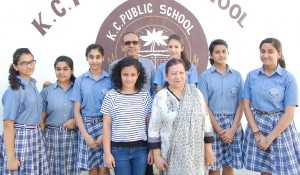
[[153, 21]]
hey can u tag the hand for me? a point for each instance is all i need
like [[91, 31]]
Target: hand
[[209, 158], [160, 163], [229, 135], [257, 137], [99, 141], [43, 126], [70, 124], [150, 160], [90, 141], [222, 134], [46, 84], [263, 143], [13, 164], [109, 161]]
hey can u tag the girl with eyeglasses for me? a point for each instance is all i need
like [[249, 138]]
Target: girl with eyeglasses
[[58, 120], [23, 141]]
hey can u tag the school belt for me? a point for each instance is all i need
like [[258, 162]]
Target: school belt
[[58, 128], [266, 113], [224, 115], [24, 126], [93, 120]]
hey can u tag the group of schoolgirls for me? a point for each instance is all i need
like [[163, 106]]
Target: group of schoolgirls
[[59, 131]]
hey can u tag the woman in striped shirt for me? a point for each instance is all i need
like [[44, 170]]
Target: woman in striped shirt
[[126, 111]]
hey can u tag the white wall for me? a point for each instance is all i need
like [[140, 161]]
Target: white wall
[[70, 34]]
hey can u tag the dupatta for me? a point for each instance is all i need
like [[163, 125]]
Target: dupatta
[[186, 154]]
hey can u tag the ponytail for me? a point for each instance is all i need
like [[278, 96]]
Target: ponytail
[[13, 80], [73, 78], [185, 60], [281, 62]]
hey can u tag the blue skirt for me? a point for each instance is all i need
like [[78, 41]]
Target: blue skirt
[[1, 155], [283, 155], [229, 155], [30, 151], [61, 147], [89, 158]]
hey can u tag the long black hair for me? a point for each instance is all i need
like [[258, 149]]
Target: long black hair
[[183, 56], [15, 82], [69, 62]]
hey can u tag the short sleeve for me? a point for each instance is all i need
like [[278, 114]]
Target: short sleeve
[[11, 104]]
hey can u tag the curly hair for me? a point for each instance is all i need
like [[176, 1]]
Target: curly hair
[[126, 62]]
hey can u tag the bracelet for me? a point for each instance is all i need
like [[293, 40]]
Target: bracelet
[[256, 132], [156, 154]]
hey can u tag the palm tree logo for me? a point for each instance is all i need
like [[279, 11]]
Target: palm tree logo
[[155, 38]]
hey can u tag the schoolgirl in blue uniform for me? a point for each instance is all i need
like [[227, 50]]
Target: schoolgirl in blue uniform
[[222, 88], [58, 120], [88, 94], [177, 51], [23, 140], [271, 144]]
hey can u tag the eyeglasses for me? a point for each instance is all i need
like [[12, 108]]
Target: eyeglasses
[[25, 63], [128, 43]]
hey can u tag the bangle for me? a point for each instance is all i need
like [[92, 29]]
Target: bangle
[[256, 132], [156, 154]]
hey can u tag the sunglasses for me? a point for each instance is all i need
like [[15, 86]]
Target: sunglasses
[[128, 43]]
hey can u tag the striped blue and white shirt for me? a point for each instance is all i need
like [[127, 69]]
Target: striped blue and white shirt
[[128, 112]]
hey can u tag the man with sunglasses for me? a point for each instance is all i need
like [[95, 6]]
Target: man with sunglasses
[[131, 47]]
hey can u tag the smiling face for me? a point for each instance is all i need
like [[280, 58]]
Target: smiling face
[[175, 48], [25, 66], [95, 59], [63, 72], [219, 55], [269, 55], [131, 45], [176, 76], [129, 76]]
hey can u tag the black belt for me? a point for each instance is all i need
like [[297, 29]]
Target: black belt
[[223, 115], [24, 126], [92, 120], [266, 113], [58, 128]]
